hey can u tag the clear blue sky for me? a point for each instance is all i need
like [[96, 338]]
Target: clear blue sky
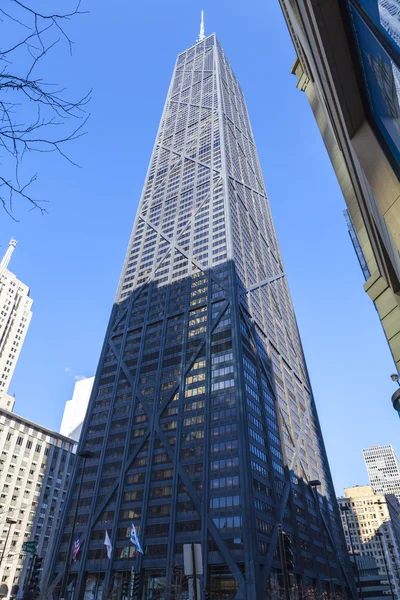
[[72, 257]]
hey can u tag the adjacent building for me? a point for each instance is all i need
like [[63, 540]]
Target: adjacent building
[[202, 422], [348, 60], [35, 470], [372, 583], [75, 409], [15, 316], [383, 469], [371, 526]]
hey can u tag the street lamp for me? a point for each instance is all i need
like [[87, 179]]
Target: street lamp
[[381, 536], [396, 395], [10, 523], [345, 508], [84, 455], [314, 484]]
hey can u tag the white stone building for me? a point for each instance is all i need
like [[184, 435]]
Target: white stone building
[[383, 469], [368, 516], [15, 316], [75, 409], [35, 468]]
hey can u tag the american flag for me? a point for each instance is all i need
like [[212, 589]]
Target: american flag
[[77, 547]]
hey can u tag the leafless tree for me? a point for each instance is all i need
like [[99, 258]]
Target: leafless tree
[[35, 115], [177, 590]]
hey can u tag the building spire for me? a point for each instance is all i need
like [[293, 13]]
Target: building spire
[[7, 256], [201, 35]]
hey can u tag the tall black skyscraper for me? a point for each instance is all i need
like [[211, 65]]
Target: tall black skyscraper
[[202, 420]]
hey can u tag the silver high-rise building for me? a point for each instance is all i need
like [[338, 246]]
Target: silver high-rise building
[[202, 422], [383, 469]]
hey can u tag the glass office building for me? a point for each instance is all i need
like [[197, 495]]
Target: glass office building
[[202, 422]]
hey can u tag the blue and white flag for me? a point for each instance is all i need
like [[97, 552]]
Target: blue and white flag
[[135, 540]]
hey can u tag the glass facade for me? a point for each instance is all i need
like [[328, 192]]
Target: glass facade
[[202, 420], [356, 245]]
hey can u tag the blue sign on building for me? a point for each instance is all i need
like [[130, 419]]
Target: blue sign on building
[[378, 41]]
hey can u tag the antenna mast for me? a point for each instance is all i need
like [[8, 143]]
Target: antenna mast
[[201, 35]]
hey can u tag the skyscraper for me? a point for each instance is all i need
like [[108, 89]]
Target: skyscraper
[[15, 316], [202, 420], [383, 469]]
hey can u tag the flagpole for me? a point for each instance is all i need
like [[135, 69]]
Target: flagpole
[[127, 569], [98, 581], [138, 550], [85, 454], [108, 568]]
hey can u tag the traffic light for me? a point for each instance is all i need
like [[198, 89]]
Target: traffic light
[[33, 587], [126, 587], [136, 578], [287, 548]]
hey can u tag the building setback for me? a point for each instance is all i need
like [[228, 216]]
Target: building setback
[[202, 421], [15, 316], [372, 528], [383, 469], [35, 468]]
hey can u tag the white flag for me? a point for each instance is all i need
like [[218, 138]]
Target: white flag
[[107, 543]]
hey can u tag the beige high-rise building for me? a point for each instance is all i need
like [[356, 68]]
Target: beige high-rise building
[[35, 470], [372, 528], [15, 316], [348, 66]]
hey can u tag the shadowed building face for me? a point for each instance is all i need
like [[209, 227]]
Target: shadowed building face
[[202, 420]]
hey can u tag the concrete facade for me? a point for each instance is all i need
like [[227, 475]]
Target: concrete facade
[[371, 514], [15, 316], [35, 469], [75, 409], [326, 73]]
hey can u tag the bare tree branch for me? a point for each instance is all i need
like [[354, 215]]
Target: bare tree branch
[[30, 108]]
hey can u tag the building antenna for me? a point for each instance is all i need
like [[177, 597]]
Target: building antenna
[[7, 256], [201, 36]]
